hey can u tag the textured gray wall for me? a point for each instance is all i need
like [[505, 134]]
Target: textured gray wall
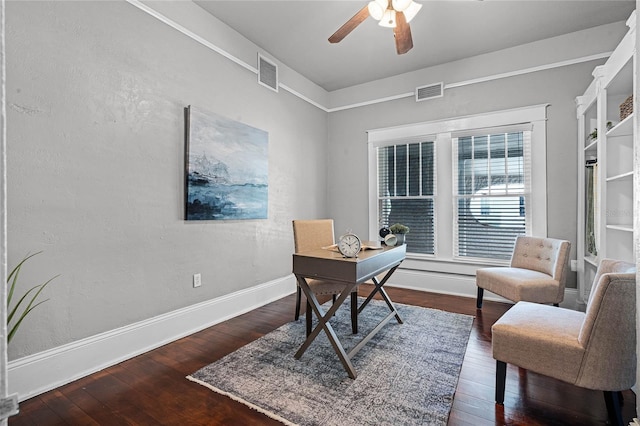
[[96, 92]]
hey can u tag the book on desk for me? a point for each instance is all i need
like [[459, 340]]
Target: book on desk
[[366, 245]]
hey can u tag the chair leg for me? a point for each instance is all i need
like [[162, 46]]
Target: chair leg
[[354, 312], [479, 299], [612, 399], [298, 297], [501, 376], [334, 298]]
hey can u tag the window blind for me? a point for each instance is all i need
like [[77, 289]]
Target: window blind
[[406, 191], [492, 187]]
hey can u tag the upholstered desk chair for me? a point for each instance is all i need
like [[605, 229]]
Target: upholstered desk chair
[[595, 349], [312, 235], [537, 272]]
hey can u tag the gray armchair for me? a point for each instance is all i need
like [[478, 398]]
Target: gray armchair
[[595, 349], [537, 273]]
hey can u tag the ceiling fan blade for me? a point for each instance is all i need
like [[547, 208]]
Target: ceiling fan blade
[[402, 33], [350, 25]]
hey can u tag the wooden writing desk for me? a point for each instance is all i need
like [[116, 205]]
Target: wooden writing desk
[[329, 265]]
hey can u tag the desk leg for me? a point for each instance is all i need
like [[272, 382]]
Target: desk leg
[[383, 293], [323, 324]]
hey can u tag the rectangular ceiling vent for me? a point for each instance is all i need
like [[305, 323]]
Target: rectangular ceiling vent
[[429, 92], [267, 73]]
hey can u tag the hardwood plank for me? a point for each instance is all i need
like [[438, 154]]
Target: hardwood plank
[[152, 388]]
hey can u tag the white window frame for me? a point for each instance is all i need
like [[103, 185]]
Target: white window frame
[[434, 197], [444, 131]]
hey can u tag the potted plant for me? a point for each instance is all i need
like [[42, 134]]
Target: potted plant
[[399, 230], [594, 135], [27, 303]]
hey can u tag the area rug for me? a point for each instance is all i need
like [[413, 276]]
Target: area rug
[[407, 374]]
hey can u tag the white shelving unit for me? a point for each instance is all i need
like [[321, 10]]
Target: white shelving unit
[[606, 164]]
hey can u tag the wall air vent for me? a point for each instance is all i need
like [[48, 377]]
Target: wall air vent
[[267, 73], [429, 92]]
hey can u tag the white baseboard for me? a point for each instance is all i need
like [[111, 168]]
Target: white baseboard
[[439, 282], [459, 285], [47, 370]]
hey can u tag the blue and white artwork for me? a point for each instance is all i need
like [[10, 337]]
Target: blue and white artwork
[[227, 168]]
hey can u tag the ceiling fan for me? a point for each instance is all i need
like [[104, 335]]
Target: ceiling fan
[[394, 14]]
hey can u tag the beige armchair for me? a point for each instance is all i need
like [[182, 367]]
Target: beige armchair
[[537, 272], [312, 235], [595, 349]]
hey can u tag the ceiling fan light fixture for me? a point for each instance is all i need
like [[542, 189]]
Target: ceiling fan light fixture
[[412, 10], [389, 19], [377, 8], [401, 5]]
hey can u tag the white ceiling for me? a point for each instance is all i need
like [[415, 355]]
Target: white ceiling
[[296, 32]]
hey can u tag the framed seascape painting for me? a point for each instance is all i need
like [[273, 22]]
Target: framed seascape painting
[[226, 168]]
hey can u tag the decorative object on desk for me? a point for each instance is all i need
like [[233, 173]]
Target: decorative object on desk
[[399, 230], [384, 231], [396, 384], [594, 135], [226, 168], [390, 240], [349, 245], [13, 321], [626, 108]]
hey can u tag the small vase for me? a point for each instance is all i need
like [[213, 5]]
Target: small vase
[[400, 238]]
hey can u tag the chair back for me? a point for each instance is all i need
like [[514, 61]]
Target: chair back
[[608, 332], [312, 234], [546, 255]]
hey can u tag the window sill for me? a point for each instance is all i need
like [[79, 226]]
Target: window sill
[[448, 266]]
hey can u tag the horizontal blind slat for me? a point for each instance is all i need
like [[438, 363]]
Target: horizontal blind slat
[[490, 193]]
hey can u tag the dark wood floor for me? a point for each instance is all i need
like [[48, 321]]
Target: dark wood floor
[[151, 389]]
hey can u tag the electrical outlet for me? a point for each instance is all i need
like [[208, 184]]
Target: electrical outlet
[[574, 265], [197, 280]]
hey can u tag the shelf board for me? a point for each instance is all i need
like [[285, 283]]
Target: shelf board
[[592, 145], [620, 176], [592, 260], [623, 228], [624, 128]]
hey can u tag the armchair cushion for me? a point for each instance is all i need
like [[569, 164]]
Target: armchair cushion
[[537, 272], [523, 330], [518, 284], [605, 331], [540, 254], [595, 349]]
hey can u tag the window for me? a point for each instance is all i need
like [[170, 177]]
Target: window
[[406, 189], [490, 193], [466, 189]]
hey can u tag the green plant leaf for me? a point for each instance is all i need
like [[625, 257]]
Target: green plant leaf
[[14, 274], [22, 299], [39, 289], [31, 305], [14, 329]]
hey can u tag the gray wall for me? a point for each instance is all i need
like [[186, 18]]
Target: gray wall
[[348, 170], [95, 97]]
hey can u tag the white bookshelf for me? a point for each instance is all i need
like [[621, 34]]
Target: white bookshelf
[[606, 164]]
